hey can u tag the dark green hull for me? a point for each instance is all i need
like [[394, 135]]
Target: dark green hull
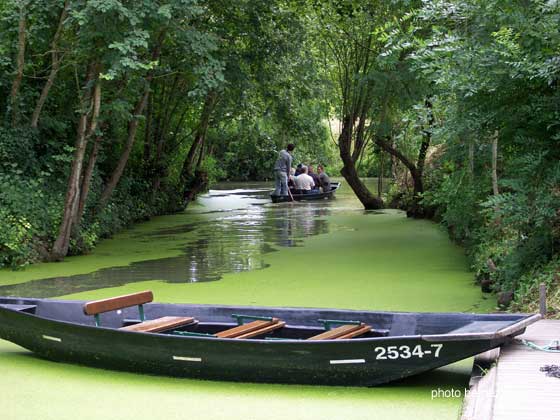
[[306, 197], [59, 331]]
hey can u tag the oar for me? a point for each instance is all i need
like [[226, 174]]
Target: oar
[[290, 191], [290, 194]]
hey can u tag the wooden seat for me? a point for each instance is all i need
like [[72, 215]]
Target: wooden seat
[[97, 307], [251, 329], [120, 302], [343, 332], [160, 324]]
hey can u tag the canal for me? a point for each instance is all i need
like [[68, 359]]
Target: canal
[[235, 247]]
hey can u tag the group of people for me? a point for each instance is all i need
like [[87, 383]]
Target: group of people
[[300, 180]]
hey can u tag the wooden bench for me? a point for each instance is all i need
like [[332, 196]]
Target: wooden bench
[[251, 329], [260, 325], [346, 331], [120, 302], [160, 324]]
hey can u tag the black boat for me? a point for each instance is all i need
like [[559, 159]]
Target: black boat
[[305, 197], [266, 344]]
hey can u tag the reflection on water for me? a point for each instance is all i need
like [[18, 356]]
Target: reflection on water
[[229, 230]]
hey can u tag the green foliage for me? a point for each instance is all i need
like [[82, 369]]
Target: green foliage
[[248, 151], [16, 238], [527, 298], [457, 198], [247, 77], [491, 66], [28, 211], [213, 169], [248, 55], [522, 224]]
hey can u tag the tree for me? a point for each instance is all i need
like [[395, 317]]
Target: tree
[[373, 83], [20, 61], [491, 65]]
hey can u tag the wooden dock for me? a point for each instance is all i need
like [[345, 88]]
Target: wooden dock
[[508, 384]]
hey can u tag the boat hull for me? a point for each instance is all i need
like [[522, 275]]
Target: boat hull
[[306, 197], [353, 362]]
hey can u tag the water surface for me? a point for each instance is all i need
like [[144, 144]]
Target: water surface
[[234, 247], [228, 231]]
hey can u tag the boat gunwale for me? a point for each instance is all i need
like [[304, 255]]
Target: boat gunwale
[[523, 322], [287, 308]]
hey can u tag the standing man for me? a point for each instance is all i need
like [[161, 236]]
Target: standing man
[[282, 170]]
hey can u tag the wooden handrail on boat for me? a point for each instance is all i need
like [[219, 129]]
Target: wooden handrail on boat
[[343, 332]]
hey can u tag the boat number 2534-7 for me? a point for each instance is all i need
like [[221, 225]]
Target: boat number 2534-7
[[406, 352]]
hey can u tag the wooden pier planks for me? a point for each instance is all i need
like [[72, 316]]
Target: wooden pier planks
[[515, 388], [523, 392]]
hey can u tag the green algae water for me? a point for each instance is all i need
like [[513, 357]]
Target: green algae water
[[234, 247]]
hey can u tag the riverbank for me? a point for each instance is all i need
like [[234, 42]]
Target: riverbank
[[330, 256]]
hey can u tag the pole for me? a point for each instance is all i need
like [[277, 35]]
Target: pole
[[290, 194], [542, 299]]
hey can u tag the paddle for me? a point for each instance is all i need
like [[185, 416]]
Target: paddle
[[290, 194]]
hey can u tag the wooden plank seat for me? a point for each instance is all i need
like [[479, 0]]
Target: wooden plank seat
[[97, 307], [160, 324], [261, 325], [251, 329], [343, 332], [120, 302]]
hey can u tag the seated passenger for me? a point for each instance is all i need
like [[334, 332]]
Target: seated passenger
[[298, 169], [304, 183], [324, 180], [315, 177], [291, 178]]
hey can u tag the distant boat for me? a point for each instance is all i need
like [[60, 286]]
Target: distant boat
[[304, 197], [266, 344]]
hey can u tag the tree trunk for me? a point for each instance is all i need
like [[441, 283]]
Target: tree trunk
[[148, 130], [426, 141], [121, 164], [60, 246], [197, 183], [132, 129], [383, 145], [380, 175], [54, 68], [20, 61], [394, 164], [416, 170], [86, 180], [188, 163], [349, 172], [495, 189], [418, 185], [190, 160], [471, 159]]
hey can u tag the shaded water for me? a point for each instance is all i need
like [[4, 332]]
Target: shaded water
[[232, 229]]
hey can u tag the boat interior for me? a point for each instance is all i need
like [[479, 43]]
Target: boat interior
[[137, 313]]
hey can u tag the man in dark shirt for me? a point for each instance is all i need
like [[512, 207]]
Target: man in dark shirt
[[324, 180], [315, 177]]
